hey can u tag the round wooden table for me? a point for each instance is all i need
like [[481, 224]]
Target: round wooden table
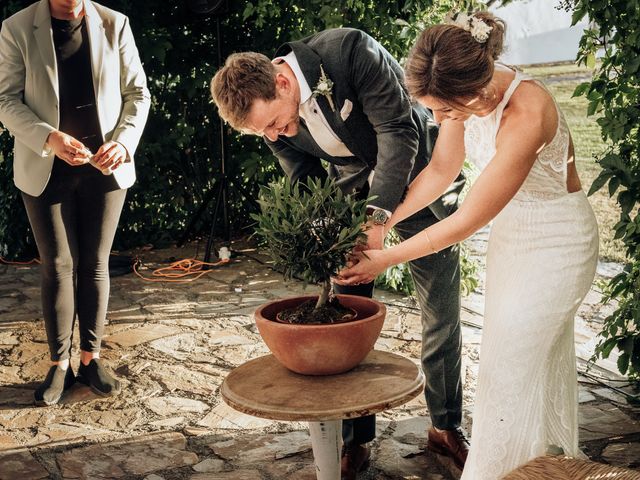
[[264, 388]]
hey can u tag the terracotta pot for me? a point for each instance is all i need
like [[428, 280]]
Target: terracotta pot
[[321, 349]]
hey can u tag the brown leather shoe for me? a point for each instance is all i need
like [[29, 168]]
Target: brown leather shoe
[[355, 458], [451, 443]]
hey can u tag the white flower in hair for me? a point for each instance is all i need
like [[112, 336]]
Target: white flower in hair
[[477, 27], [480, 30]]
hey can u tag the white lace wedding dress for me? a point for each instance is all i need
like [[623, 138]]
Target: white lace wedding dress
[[541, 261]]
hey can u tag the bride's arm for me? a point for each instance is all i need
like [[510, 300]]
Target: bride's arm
[[521, 136], [443, 168]]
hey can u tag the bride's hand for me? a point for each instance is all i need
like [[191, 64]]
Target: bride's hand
[[364, 267]]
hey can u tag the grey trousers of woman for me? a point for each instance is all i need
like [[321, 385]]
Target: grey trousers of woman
[[74, 222]]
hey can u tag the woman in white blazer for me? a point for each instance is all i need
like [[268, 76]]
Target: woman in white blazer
[[73, 94]]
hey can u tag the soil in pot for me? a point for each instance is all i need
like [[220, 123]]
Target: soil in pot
[[305, 313]]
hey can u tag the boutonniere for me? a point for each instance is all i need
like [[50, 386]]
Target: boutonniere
[[324, 87]]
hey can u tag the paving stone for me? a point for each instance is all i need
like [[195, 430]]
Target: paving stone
[[177, 377], [603, 421], [16, 396], [610, 395], [117, 419], [9, 375], [7, 442], [262, 448], [608, 269], [171, 405], [585, 396], [298, 467], [400, 459], [388, 344], [140, 335], [136, 456], [21, 465], [196, 431], [209, 465], [8, 338], [16, 419], [27, 352], [225, 417], [36, 370], [235, 475], [177, 346], [64, 432], [412, 431], [623, 455], [168, 422]]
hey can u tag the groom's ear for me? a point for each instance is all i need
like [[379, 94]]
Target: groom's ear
[[283, 83]]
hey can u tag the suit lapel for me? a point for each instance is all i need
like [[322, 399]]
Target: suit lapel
[[44, 39], [95, 30], [310, 62]]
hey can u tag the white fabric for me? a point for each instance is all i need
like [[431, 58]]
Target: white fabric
[[541, 261], [309, 110]]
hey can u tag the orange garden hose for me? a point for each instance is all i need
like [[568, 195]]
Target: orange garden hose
[[182, 271], [12, 262]]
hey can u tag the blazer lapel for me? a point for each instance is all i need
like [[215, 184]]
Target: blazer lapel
[[310, 62], [95, 30], [44, 38]]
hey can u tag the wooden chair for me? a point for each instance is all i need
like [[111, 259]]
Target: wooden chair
[[566, 468]]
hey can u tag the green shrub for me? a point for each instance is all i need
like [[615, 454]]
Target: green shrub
[[308, 230]]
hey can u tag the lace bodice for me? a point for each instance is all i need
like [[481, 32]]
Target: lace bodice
[[548, 176]]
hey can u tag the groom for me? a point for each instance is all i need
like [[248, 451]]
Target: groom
[[338, 95]]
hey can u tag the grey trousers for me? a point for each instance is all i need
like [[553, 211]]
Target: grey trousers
[[437, 280]]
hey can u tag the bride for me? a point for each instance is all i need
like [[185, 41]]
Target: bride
[[543, 245]]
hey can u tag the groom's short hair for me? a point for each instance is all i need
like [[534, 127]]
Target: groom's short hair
[[245, 77]]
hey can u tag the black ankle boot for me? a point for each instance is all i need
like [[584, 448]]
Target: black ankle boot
[[95, 376], [56, 382]]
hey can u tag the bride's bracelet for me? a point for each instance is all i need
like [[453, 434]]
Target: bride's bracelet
[[426, 234]]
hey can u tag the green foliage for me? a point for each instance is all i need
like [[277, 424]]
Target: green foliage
[[178, 160], [614, 96], [308, 230], [16, 240], [397, 278]]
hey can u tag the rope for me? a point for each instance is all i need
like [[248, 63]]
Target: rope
[[182, 271]]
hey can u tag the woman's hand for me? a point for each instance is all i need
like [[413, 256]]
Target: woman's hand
[[364, 267], [109, 157], [68, 148]]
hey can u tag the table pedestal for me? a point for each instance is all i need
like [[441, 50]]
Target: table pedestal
[[326, 442], [264, 388]]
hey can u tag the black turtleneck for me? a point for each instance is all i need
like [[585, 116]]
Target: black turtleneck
[[78, 112]]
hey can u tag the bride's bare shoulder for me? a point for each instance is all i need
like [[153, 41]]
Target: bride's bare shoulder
[[531, 104]]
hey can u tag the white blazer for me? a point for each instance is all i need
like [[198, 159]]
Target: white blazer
[[29, 96]]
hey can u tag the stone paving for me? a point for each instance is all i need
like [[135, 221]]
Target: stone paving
[[172, 345]]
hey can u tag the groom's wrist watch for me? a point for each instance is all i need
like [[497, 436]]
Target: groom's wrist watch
[[377, 216]]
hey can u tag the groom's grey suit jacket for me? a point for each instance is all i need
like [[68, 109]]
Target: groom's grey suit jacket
[[384, 130]]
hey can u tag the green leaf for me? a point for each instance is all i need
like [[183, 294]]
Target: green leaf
[[599, 182], [614, 183], [623, 363], [581, 89], [578, 14]]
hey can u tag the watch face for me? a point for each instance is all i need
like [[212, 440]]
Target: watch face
[[379, 217]]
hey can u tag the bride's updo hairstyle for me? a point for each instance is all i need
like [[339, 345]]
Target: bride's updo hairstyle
[[455, 61]]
